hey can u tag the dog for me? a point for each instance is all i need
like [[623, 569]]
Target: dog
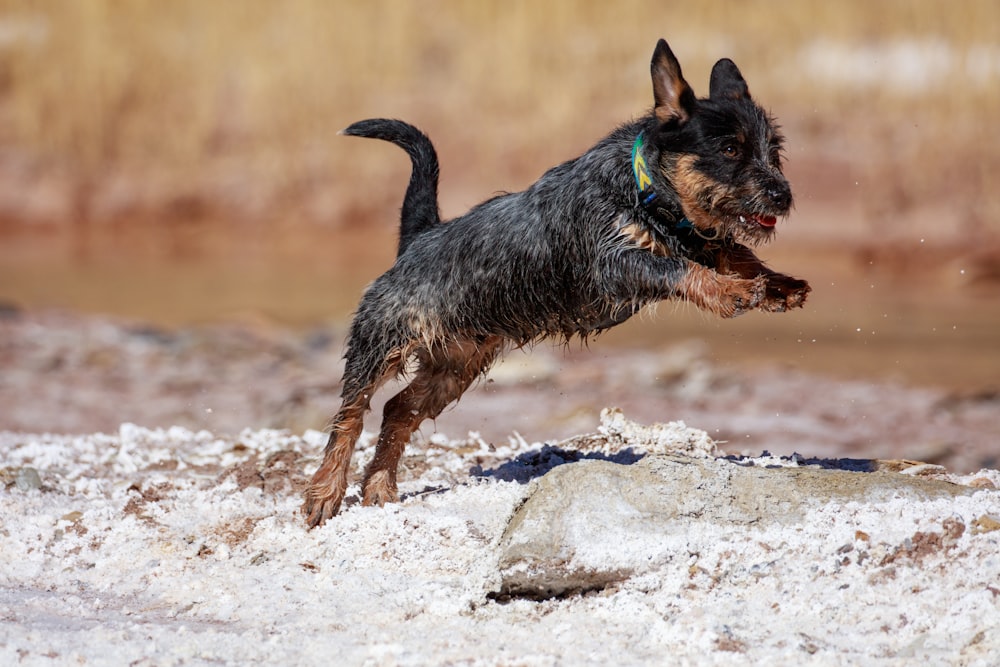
[[665, 207]]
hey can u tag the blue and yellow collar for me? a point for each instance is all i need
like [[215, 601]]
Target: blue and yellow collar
[[642, 178], [644, 182]]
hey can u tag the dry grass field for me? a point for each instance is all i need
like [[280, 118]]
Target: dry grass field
[[148, 113]]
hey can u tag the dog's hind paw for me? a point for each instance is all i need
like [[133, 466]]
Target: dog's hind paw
[[317, 507]]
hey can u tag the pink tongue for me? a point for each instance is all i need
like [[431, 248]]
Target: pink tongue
[[766, 220]]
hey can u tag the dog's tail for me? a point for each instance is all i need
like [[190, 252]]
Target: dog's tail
[[420, 206]]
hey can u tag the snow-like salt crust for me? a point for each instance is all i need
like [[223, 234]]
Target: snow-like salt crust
[[148, 547]]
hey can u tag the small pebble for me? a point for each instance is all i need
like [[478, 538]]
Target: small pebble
[[985, 524], [27, 479]]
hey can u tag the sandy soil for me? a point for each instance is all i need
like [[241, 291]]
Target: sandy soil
[[171, 547]]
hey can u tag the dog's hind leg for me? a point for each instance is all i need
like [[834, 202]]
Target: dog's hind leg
[[361, 380], [443, 375]]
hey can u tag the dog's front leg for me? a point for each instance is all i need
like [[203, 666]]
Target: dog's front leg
[[642, 277], [783, 292], [718, 293]]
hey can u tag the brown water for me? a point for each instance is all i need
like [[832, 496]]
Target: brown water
[[926, 330]]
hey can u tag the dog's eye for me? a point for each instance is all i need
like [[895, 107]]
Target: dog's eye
[[730, 150]]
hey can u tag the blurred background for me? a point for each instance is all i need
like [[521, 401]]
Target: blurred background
[[177, 163]]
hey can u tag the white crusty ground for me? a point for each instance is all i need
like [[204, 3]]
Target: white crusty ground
[[165, 547]]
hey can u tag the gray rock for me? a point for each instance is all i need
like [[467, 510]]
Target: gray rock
[[586, 524]]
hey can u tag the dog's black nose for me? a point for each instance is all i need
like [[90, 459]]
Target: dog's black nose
[[780, 195]]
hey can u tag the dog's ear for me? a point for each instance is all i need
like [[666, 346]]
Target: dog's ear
[[672, 96], [727, 82]]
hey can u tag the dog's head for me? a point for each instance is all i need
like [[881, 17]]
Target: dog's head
[[720, 154]]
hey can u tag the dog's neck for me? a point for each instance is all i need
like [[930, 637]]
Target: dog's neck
[[648, 197]]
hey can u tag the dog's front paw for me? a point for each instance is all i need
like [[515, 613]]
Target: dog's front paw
[[725, 295], [730, 296], [783, 293], [746, 294]]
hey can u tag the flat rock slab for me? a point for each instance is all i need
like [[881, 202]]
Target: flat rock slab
[[593, 523]]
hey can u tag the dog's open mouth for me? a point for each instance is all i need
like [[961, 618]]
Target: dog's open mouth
[[767, 221], [740, 225]]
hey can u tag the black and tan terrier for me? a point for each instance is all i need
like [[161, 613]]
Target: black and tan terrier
[[665, 207]]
